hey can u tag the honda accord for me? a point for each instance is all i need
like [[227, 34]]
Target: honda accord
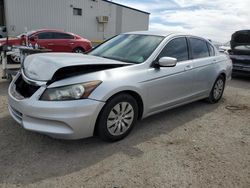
[[127, 78]]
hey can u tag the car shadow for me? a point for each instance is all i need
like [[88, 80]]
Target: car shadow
[[27, 157], [241, 82]]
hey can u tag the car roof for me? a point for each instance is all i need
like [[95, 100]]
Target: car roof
[[157, 33], [166, 34], [52, 30]]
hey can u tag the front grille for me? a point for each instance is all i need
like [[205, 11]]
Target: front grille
[[25, 89]]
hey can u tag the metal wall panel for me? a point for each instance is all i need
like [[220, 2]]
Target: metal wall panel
[[58, 14]]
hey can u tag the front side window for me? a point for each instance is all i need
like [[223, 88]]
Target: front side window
[[199, 48], [131, 48], [176, 48], [45, 35]]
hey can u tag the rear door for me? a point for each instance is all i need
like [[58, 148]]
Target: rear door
[[204, 60], [44, 39], [62, 42]]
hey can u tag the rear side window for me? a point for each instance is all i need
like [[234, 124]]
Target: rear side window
[[62, 36], [211, 49], [45, 35], [199, 48], [176, 48]]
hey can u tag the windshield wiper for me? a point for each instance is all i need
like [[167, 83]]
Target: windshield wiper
[[119, 59]]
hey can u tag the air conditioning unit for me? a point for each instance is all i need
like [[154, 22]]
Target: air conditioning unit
[[103, 19]]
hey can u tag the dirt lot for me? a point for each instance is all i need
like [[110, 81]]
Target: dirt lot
[[198, 145]]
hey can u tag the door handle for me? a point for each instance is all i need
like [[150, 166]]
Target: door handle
[[188, 67], [50, 44]]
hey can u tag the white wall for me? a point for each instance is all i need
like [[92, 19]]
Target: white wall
[[132, 19], [58, 14]]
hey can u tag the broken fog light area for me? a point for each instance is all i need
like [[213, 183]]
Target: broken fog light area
[[25, 89]]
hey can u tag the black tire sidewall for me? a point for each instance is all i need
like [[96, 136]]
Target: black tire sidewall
[[79, 48], [211, 97], [102, 129]]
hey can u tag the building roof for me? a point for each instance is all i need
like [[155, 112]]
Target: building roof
[[126, 6]]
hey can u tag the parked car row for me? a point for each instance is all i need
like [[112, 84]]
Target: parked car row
[[127, 78], [55, 40]]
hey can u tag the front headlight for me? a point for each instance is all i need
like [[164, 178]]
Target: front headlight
[[71, 92]]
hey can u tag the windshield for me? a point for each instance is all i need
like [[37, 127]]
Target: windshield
[[129, 48], [26, 34]]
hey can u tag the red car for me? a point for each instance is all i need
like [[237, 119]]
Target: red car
[[55, 40]]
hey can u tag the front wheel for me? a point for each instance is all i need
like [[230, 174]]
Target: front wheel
[[218, 90], [117, 118]]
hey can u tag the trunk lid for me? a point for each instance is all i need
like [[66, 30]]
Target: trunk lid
[[240, 43]]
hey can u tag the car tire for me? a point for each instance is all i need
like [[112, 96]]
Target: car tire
[[217, 90], [117, 118], [79, 50]]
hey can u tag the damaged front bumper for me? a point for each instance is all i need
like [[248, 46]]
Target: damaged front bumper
[[59, 119]]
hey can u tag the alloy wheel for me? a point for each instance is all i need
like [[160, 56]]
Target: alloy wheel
[[218, 89], [120, 118], [16, 58]]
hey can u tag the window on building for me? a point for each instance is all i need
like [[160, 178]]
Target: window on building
[[199, 48], [176, 48], [77, 11]]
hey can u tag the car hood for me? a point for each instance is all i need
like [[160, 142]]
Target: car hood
[[54, 66]]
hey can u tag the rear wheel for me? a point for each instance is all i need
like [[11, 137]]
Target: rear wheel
[[218, 90], [117, 118], [79, 50]]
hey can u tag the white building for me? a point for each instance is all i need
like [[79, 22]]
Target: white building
[[92, 19]]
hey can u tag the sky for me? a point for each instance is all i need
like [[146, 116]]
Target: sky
[[215, 19]]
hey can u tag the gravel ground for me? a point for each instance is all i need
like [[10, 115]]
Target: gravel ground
[[197, 145]]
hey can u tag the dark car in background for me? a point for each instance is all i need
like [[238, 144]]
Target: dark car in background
[[55, 40], [240, 52], [3, 31]]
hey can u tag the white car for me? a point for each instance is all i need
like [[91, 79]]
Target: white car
[[3, 32]]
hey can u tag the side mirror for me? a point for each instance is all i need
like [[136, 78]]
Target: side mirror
[[167, 62]]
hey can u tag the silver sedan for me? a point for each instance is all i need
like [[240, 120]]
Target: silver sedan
[[127, 78]]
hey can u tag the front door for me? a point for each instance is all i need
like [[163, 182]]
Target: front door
[[170, 86]]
